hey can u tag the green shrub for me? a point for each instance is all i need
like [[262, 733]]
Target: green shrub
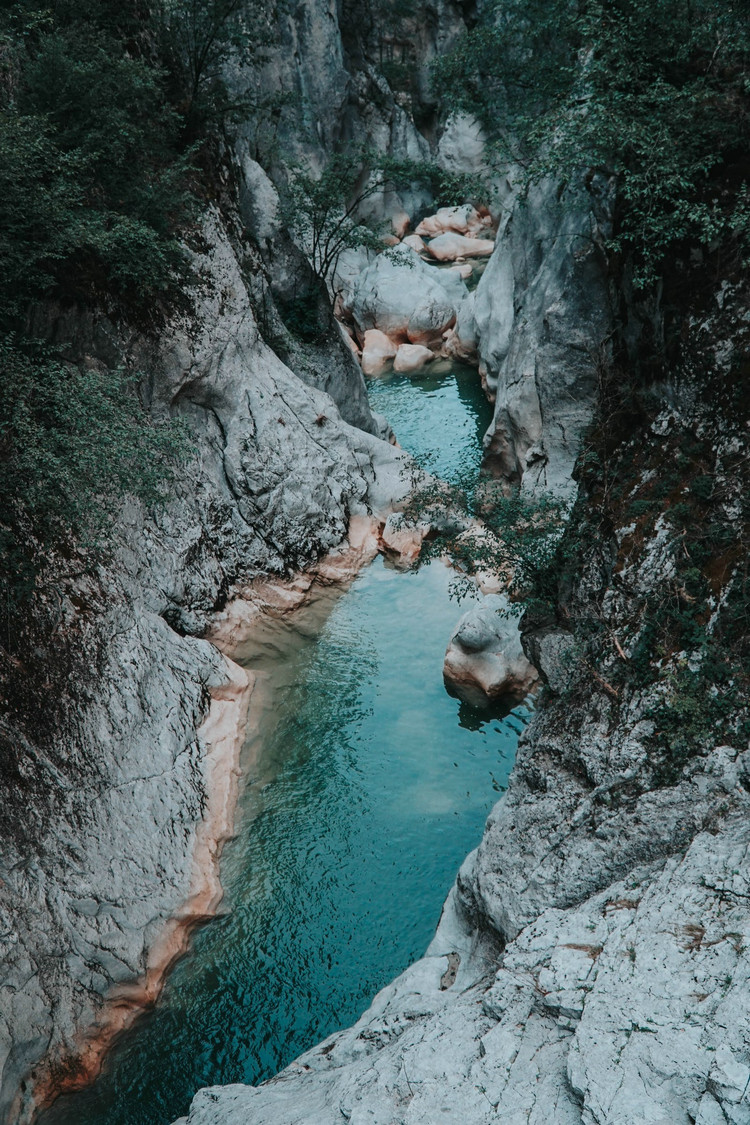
[[71, 442]]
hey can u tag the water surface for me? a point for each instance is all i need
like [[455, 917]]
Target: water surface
[[366, 785]]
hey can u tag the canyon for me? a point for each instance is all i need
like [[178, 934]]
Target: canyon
[[589, 965]]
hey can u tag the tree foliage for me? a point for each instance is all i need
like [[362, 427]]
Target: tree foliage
[[652, 92], [329, 209], [71, 440], [485, 531], [98, 183]]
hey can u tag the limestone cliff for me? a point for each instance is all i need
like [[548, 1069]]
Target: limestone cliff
[[119, 793]]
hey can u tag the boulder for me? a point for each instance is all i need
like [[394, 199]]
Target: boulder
[[460, 341], [411, 358], [484, 661], [377, 351], [405, 298], [414, 242], [448, 247], [400, 223], [461, 220], [464, 270], [402, 543]]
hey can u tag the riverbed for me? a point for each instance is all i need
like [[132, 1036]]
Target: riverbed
[[365, 785]]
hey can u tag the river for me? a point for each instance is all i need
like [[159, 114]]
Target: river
[[365, 785]]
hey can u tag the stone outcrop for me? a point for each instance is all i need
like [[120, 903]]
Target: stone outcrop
[[464, 220], [543, 324], [628, 1008], [485, 662], [378, 350]]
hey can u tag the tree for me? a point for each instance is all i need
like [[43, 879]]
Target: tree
[[652, 92], [70, 441], [327, 209], [486, 530], [197, 39]]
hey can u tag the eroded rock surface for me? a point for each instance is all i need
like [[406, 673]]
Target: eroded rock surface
[[485, 662], [542, 320], [625, 1009], [104, 857]]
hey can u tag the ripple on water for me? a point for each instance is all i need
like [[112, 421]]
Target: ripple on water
[[365, 789]]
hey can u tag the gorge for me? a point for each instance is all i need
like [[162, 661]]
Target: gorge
[[262, 633]]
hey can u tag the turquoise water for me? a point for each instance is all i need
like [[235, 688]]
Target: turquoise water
[[366, 785], [439, 416]]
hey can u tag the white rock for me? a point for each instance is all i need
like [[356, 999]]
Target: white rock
[[404, 297], [411, 358], [484, 661], [462, 145], [448, 247], [543, 316]]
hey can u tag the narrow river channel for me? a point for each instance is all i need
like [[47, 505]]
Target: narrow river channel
[[365, 787]]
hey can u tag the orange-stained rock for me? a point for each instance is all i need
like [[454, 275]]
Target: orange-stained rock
[[448, 247], [400, 223], [414, 242], [484, 661], [400, 543], [377, 351], [461, 220], [411, 358]]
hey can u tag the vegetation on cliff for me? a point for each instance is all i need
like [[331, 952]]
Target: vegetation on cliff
[[650, 578], [652, 92], [104, 111]]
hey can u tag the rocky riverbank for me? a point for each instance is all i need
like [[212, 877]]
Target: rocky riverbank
[[590, 964]]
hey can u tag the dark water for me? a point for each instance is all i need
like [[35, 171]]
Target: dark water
[[366, 787]]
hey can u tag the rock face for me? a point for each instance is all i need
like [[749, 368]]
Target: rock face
[[114, 799], [542, 320], [627, 1009], [484, 662], [110, 845]]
